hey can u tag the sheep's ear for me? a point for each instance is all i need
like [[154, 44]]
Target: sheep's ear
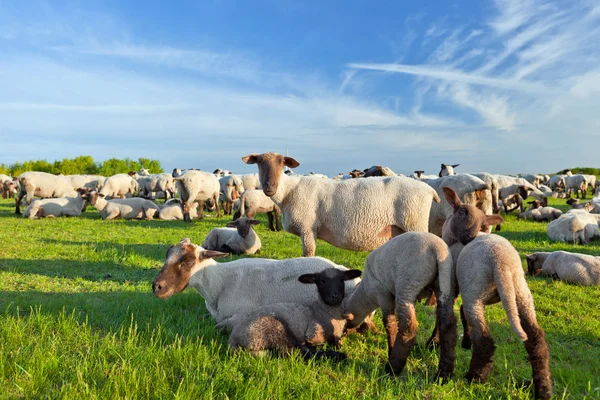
[[308, 278], [455, 165], [493, 219], [254, 222], [352, 274], [185, 241], [233, 224], [290, 162], [250, 159], [206, 254], [452, 198]]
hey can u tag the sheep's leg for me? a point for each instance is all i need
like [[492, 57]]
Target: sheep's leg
[[277, 218], [112, 214], [271, 224], [309, 244], [483, 344], [434, 339], [18, 203], [216, 198], [405, 337], [466, 340], [448, 337]]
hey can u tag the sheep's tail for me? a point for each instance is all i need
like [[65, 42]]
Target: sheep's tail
[[310, 352], [436, 198], [506, 290]]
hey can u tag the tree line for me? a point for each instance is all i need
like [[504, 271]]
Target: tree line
[[83, 165]]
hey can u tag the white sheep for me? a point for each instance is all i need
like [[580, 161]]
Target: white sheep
[[255, 201], [353, 214], [576, 183], [197, 186], [580, 269], [173, 210], [577, 226], [535, 180], [378, 170], [421, 175], [93, 182], [149, 184], [508, 185], [237, 238], [120, 185], [43, 185], [250, 181], [575, 204], [557, 182], [396, 275], [447, 170], [132, 208], [58, 207], [231, 186]]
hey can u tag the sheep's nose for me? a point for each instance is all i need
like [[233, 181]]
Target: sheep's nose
[[156, 287]]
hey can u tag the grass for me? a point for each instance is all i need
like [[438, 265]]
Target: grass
[[78, 319]]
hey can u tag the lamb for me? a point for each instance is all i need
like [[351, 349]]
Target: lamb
[[539, 213], [173, 210], [197, 186], [576, 205], [580, 269], [132, 208], [120, 185], [255, 201], [237, 238], [447, 170], [228, 185], [576, 183], [488, 270], [149, 184], [93, 182], [378, 170], [577, 226], [43, 185], [353, 214], [284, 326], [492, 183], [62, 206], [396, 275], [557, 182]]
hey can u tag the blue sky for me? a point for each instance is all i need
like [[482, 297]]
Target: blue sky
[[499, 85]]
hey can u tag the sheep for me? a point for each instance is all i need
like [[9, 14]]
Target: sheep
[[488, 270], [93, 182], [546, 190], [132, 208], [447, 170], [144, 172], [57, 207], [576, 205], [43, 185], [546, 179], [197, 186], [239, 286], [396, 275], [173, 210], [284, 326], [541, 214], [353, 174], [378, 170], [508, 185], [149, 184], [255, 201], [535, 180], [557, 182], [250, 181], [120, 185], [577, 226], [176, 172], [492, 183], [580, 269], [576, 183], [219, 173], [512, 202], [354, 214], [229, 184], [470, 188], [591, 180], [9, 187], [237, 237], [421, 175]]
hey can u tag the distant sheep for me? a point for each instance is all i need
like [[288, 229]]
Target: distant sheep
[[231, 187], [378, 170], [43, 185], [173, 210], [576, 183], [255, 201], [447, 170], [57, 207], [197, 186], [576, 226], [580, 269], [132, 208], [237, 238], [120, 185]]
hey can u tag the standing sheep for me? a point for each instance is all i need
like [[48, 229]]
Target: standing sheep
[[120, 185], [197, 186], [231, 186], [43, 185], [255, 201], [237, 238], [149, 184], [576, 183], [250, 181], [353, 214], [580, 269]]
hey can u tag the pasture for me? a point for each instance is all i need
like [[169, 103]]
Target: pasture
[[78, 319]]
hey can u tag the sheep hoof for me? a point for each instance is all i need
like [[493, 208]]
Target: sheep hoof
[[442, 377], [395, 371]]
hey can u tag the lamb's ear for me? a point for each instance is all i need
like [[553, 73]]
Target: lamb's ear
[[185, 241], [250, 159], [452, 198], [290, 162], [455, 165], [206, 254], [352, 274], [254, 222], [494, 219], [308, 278], [233, 224]]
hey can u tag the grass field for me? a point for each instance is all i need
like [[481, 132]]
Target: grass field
[[78, 320]]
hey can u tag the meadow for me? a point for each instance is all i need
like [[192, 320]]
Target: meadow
[[78, 320]]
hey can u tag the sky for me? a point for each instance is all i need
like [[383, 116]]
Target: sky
[[503, 86]]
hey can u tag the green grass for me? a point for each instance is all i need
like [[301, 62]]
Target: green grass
[[78, 319]]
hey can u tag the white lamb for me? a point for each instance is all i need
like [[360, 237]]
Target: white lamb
[[580, 269], [237, 238], [62, 206], [173, 210]]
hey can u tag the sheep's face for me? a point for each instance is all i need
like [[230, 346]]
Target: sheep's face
[[270, 169], [92, 197], [243, 225], [331, 283], [446, 169], [534, 264], [182, 261], [535, 204]]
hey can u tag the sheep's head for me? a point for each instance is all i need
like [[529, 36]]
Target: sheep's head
[[243, 225], [92, 197], [331, 283], [467, 220], [573, 202], [270, 168], [419, 173], [447, 169], [182, 261], [534, 264], [535, 204]]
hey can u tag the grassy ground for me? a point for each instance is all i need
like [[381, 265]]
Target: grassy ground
[[78, 319]]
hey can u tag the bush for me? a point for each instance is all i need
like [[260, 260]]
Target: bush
[[82, 165]]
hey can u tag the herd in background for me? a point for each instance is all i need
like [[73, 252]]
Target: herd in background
[[427, 235]]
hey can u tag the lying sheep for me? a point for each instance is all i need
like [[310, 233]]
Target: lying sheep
[[353, 214], [43, 185], [173, 210], [580, 269], [120, 185], [229, 185], [378, 170], [197, 186], [253, 202], [447, 170], [488, 270], [237, 238], [576, 205], [59, 207], [578, 226], [538, 213], [132, 208], [285, 326], [399, 273]]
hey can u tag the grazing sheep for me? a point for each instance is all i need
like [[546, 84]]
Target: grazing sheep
[[407, 268], [149, 184], [237, 238], [255, 201], [512, 202], [557, 182], [197, 186], [229, 185], [580, 269], [488, 270], [120, 185], [576, 205], [353, 214], [43, 185], [577, 226], [173, 210], [576, 183], [378, 170], [132, 208], [285, 326], [58, 207], [447, 170]]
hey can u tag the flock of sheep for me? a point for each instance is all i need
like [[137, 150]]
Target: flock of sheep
[[429, 237]]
